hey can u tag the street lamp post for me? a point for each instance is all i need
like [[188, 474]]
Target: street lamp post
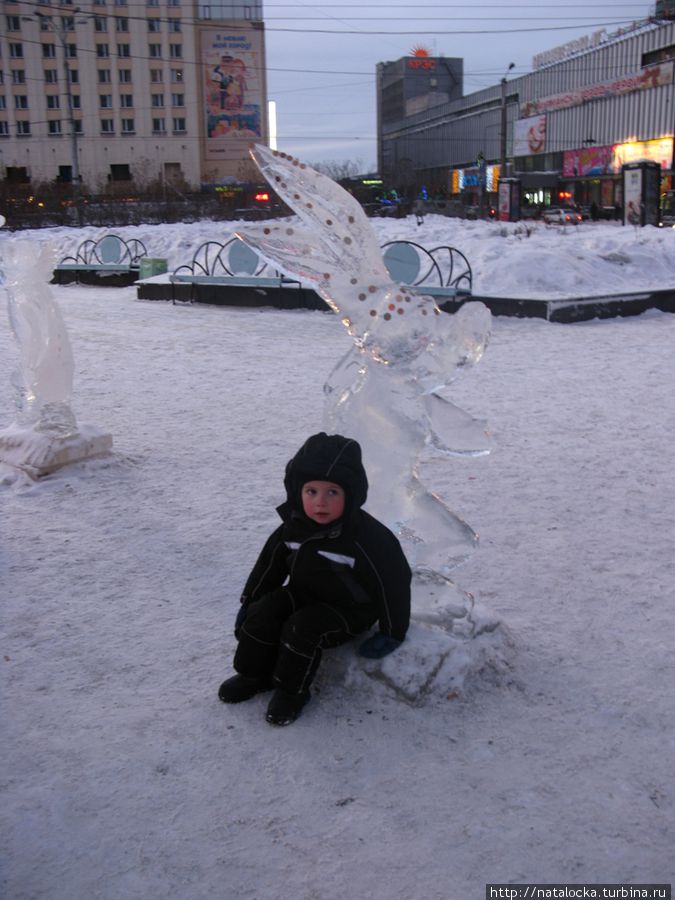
[[59, 31], [502, 134]]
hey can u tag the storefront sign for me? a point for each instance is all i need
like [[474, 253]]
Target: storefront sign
[[650, 77], [659, 151], [588, 42]]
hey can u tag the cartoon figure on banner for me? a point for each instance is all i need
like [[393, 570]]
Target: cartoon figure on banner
[[222, 75]]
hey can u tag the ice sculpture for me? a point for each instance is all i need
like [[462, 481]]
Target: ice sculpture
[[387, 390], [45, 435]]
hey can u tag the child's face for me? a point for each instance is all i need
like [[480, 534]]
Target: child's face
[[323, 501]]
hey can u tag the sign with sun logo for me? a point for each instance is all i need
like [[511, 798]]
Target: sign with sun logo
[[420, 58]]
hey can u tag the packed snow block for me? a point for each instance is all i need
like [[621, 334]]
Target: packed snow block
[[452, 643], [38, 453]]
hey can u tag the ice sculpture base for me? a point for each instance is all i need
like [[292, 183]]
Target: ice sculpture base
[[452, 644], [38, 453]]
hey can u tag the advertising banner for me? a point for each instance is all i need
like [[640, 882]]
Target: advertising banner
[[588, 161], [608, 160], [632, 196], [529, 136], [232, 63]]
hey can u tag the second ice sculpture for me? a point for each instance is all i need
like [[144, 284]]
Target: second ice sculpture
[[387, 390], [45, 434]]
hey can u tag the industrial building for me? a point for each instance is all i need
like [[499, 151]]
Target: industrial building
[[171, 91], [564, 130]]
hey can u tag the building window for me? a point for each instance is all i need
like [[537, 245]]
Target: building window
[[128, 126], [71, 51], [158, 126], [177, 76], [16, 51], [174, 26], [152, 3], [18, 76], [156, 76], [178, 125], [75, 102], [100, 24], [23, 128], [54, 128], [121, 23], [105, 101], [178, 99], [155, 51], [124, 76], [154, 25], [77, 125], [20, 101], [157, 100], [4, 129], [51, 76], [3, 101], [176, 51], [124, 50], [126, 101], [173, 2], [53, 102], [120, 172], [2, 75], [104, 76], [107, 126], [13, 23], [17, 175], [73, 76], [49, 51], [120, 2], [102, 51], [99, 2], [67, 23]]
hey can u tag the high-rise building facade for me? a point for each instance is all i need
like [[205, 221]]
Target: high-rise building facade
[[168, 91]]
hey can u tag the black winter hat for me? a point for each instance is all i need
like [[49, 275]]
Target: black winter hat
[[328, 457]]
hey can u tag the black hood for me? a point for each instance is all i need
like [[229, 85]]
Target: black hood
[[328, 457]]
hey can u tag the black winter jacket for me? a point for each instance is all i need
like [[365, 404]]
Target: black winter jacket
[[360, 563], [356, 559]]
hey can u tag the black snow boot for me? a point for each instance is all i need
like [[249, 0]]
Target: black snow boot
[[285, 708], [240, 688]]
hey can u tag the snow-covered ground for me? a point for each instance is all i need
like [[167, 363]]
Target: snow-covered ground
[[124, 778]]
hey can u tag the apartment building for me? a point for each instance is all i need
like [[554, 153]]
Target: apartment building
[[140, 91]]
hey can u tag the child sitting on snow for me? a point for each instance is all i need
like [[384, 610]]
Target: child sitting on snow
[[326, 574]]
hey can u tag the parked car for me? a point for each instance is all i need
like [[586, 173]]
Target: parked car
[[561, 217]]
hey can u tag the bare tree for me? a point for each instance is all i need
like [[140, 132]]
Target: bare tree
[[339, 169]]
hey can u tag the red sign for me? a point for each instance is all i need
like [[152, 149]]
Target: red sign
[[418, 62]]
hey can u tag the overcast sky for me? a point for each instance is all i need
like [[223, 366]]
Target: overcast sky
[[321, 57]]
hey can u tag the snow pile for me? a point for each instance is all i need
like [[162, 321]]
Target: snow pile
[[539, 750]]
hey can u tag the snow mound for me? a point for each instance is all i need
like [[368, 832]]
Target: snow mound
[[452, 644]]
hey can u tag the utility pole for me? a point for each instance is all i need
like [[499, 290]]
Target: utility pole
[[502, 133], [60, 32]]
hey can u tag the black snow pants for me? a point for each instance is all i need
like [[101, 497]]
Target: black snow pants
[[283, 636]]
